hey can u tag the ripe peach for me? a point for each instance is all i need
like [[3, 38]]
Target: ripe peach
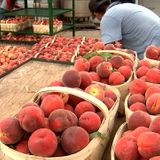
[[68, 107], [94, 61], [71, 78], [31, 118], [90, 121], [154, 126], [98, 45], [116, 78], [74, 100], [116, 61], [82, 107], [10, 131], [153, 75], [151, 90], [153, 103], [125, 71], [104, 69], [42, 142], [152, 52], [85, 79], [128, 62], [59, 151], [138, 106], [109, 102], [110, 94], [82, 64], [104, 80], [141, 71], [22, 146], [136, 98], [126, 149], [144, 62], [61, 119], [96, 91], [110, 47], [74, 139], [51, 103], [94, 76], [137, 119], [137, 86], [148, 144]]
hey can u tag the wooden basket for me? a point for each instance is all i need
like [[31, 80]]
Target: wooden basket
[[128, 112], [123, 88], [93, 151], [118, 135]]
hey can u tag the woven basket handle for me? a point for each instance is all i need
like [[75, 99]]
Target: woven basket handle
[[118, 52], [99, 104]]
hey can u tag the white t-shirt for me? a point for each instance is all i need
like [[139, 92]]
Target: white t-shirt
[[135, 25]]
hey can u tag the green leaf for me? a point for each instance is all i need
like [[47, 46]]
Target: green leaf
[[106, 55], [98, 134], [89, 55]]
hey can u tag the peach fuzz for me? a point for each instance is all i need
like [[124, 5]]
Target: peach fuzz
[[152, 52], [116, 61], [155, 125], [151, 90], [138, 106], [85, 79], [74, 139], [90, 121], [153, 103], [137, 86], [82, 64], [125, 71], [94, 61], [71, 78], [10, 131], [126, 149], [51, 103], [116, 78], [42, 142], [104, 69], [149, 144], [22, 147], [61, 119], [31, 118], [94, 76], [136, 98], [110, 94], [137, 119], [82, 107], [141, 71]]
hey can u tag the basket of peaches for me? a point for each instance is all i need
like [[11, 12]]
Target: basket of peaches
[[66, 120]]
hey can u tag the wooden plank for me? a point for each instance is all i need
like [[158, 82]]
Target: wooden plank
[[19, 86]]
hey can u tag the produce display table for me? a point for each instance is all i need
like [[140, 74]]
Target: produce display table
[[20, 85]]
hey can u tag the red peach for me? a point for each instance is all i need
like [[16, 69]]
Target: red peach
[[144, 62], [151, 90], [116, 78], [109, 102], [116, 61], [136, 98], [154, 126], [94, 76], [138, 106], [125, 71], [85, 79], [128, 62], [110, 94], [74, 100], [152, 52], [59, 151], [141, 71], [22, 146], [68, 107]]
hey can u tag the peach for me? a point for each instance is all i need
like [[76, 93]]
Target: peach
[[85, 79], [126, 149], [138, 106], [90, 121], [116, 61], [94, 61], [152, 52], [100, 114], [82, 107], [61, 119], [68, 107], [116, 78], [104, 80], [154, 126], [110, 94], [74, 100], [98, 45], [137, 119], [141, 71], [125, 71], [71, 78], [149, 144], [94, 76], [137, 86], [96, 91], [59, 151], [51, 103], [31, 118], [151, 90], [136, 98], [74, 139], [153, 103], [153, 75], [42, 142], [104, 69], [109, 102], [128, 62], [22, 146], [155, 158], [10, 131], [144, 62], [56, 83], [82, 64], [110, 47]]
